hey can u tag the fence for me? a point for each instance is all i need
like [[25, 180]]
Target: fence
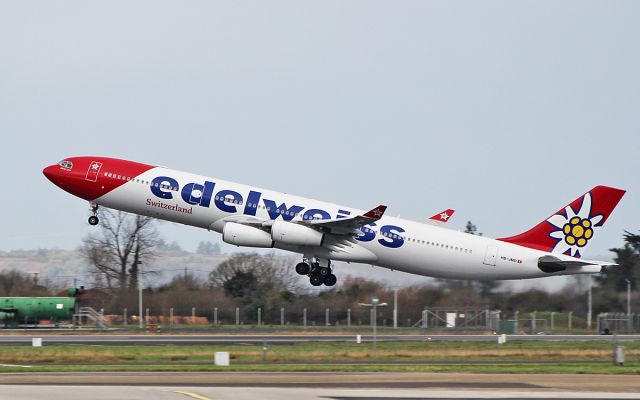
[[468, 318], [316, 317], [431, 318], [607, 323]]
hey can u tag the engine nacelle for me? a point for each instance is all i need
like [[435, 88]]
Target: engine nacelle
[[295, 234], [243, 235]]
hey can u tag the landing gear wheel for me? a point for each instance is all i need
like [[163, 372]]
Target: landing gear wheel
[[303, 268], [323, 271], [93, 220], [330, 280], [316, 280]]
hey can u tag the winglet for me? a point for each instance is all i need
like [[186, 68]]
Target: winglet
[[443, 216], [376, 213]]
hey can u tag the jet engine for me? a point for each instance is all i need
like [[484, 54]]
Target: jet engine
[[295, 234], [244, 235]]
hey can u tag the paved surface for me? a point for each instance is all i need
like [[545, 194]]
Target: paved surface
[[392, 380], [222, 393], [307, 386], [150, 339]]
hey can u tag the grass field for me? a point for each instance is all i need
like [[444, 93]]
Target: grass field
[[514, 356]]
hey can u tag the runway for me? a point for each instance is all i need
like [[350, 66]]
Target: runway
[[225, 393], [200, 339], [308, 386]]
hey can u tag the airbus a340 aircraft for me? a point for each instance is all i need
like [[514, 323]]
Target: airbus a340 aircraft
[[321, 232]]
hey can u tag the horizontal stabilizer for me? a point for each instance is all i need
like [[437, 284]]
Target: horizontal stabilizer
[[551, 264]]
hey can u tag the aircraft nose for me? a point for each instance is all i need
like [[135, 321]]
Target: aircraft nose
[[52, 172], [49, 172]]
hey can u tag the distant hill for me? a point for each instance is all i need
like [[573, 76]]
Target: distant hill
[[61, 267]]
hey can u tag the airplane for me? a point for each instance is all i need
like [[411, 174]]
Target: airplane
[[324, 232]]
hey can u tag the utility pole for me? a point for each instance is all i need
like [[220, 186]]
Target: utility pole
[[395, 308], [589, 305], [140, 297], [140, 303], [375, 303], [628, 304]]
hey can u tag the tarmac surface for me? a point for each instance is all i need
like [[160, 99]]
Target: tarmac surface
[[307, 386], [200, 339]]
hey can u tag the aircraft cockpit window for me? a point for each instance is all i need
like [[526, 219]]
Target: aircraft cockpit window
[[66, 164]]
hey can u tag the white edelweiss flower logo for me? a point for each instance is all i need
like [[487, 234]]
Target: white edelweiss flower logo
[[575, 229]]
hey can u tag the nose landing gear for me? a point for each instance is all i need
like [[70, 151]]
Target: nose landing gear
[[93, 220], [319, 272]]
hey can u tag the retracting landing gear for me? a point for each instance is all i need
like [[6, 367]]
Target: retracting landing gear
[[319, 271], [93, 220]]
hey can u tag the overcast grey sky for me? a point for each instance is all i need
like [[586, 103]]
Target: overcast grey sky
[[505, 111]]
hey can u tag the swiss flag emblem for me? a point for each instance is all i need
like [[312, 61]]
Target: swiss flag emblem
[[93, 171]]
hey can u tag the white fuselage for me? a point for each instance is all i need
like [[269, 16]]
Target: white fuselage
[[393, 243]]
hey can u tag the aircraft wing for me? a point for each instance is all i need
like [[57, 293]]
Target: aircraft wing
[[552, 264], [348, 225], [340, 226]]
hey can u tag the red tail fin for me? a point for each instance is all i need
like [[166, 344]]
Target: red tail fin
[[570, 230], [443, 216]]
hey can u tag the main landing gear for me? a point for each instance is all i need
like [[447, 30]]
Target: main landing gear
[[318, 273], [93, 220]]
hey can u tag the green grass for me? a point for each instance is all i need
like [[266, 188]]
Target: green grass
[[586, 368], [540, 357]]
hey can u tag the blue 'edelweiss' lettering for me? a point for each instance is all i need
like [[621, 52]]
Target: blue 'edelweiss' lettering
[[287, 213], [229, 200]]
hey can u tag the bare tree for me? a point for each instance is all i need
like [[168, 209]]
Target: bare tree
[[17, 283], [116, 253]]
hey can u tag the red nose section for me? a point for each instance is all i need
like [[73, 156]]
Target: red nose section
[[50, 172], [92, 177]]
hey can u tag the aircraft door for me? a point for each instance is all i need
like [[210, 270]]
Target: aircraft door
[[490, 255]]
